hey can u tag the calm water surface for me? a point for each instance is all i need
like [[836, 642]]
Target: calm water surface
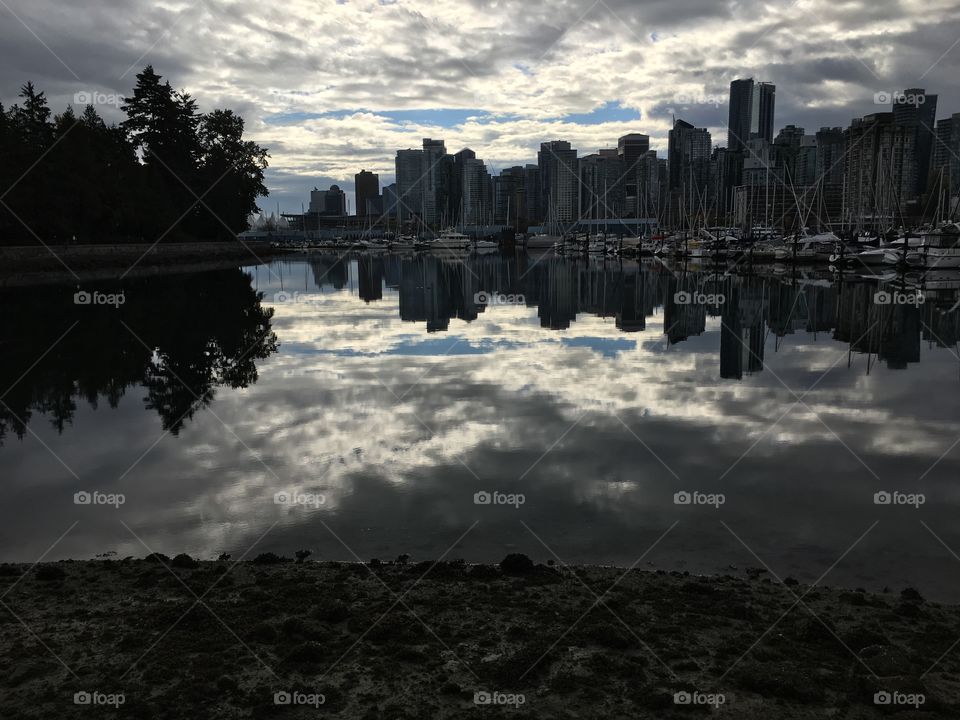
[[386, 386]]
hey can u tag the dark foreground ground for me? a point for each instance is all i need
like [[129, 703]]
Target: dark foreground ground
[[393, 641], [25, 266]]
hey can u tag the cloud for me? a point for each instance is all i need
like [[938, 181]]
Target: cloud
[[511, 73]]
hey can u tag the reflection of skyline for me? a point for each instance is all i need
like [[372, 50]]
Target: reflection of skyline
[[398, 428], [433, 290]]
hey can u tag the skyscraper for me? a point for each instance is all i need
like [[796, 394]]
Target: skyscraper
[[648, 186], [328, 202], [945, 178], [477, 203], [409, 183], [509, 198], [435, 186], [915, 109], [752, 106], [631, 148], [602, 195], [367, 186], [880, 169], [455, 194], [786, 153], [830, 145], [688, 155], [559, 181]]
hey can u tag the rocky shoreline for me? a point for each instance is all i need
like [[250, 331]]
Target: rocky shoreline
[[177, 638]]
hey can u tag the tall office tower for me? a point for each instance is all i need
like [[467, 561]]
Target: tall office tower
[[758, 167], [532, 196], [688, 155], [558, 181], [807, 161], [725, 170], [602, 195], [786, 153], [509, 199], [648, 186], [476, 192], [367, 186], [946, 156], [752, 106], [455, 184], [435, 185], [830, 148], [915, 109], [879, 169], [409, 184], [390, 201], [631, 148]]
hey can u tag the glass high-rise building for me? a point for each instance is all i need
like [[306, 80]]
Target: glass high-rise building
[[752, 106], [559, 181], [915, 109], [367, 188]]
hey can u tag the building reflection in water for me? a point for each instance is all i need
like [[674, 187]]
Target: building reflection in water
[[746, 308]]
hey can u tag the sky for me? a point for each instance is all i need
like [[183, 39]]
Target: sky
[[331, 87]]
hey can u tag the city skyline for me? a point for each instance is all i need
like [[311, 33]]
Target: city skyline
[[499, 82]]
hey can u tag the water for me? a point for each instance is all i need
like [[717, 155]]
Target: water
[[383, 386]]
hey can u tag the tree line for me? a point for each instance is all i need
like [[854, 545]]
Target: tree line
[[167, 172]]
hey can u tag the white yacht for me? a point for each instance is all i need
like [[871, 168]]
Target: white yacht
[[451, 239]]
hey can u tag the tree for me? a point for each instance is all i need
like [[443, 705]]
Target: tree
[[232, 172], [139, 181]]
